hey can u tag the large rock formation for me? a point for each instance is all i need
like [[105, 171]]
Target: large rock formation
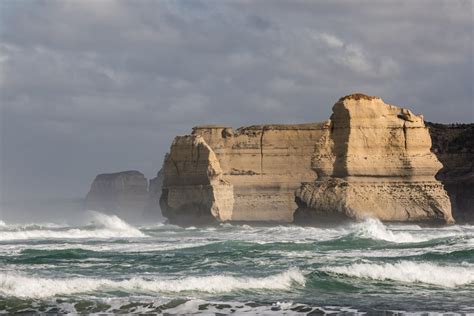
[[453, 144], [371, 158], [375, 160], [193, 187], [123, 193], [247, 175]]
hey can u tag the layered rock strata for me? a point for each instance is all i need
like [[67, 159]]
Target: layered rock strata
[[370, 158], [193, 187], [249, 174], [375, 160], [453, 144], [123, 193]]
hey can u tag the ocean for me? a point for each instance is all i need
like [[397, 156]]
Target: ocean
[[109, 266]]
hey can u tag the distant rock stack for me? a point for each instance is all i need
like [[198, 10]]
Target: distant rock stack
[[369, 159], [123, 193], [375, 160]]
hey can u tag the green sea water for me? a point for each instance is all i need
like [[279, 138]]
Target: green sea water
[[110, 266]]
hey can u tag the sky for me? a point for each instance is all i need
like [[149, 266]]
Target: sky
[[95, 86]]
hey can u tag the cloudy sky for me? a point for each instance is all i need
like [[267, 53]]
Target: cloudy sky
[[97, 86]]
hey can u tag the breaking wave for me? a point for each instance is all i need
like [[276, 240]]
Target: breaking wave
[[374, 229], [409, 272], [102, 226], [36, 287]]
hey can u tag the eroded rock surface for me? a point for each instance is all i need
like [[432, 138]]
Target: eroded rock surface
[[255, 170], [370, 158], [375, 160], [194, 189]]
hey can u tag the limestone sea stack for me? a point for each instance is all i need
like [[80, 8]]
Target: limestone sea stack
[[369, 159], [122, 193], [249, 174], [374, 160]]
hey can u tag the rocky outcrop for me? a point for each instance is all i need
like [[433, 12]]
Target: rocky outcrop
[[453, 144], [375, 160], [249, 174], [123, 193], [194, 188], [370, 158]]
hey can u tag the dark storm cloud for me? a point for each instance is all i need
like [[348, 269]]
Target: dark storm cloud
[[97, 86]]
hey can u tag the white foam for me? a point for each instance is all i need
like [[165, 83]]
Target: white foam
[[410, 272], [283, 305], [2, 223], [36, 287], [157, 225], [104, 226], [236, 226], [374, 229]]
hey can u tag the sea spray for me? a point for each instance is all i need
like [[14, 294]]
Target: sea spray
[[112, 223], [103, 226], [374, 229]]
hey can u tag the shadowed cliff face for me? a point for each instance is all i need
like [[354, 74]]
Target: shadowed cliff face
[[453, 144], [340, 135], [370, 158], [152, 209]]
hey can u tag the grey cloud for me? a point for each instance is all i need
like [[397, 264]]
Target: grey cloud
[[96, 86]]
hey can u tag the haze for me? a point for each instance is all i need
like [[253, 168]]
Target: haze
[[89, 87]]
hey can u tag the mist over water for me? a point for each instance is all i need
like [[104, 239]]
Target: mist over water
[[58, 210], [104, 264]]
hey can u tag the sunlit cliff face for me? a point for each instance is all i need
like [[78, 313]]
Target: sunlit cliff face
[[369, 159]]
